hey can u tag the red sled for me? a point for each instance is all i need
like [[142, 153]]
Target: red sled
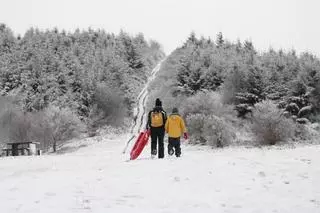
[[141, 142]]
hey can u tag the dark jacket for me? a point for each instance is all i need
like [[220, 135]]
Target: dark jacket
[[157, 109]]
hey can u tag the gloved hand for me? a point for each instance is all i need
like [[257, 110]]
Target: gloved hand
[[148, 130], [185, 136]]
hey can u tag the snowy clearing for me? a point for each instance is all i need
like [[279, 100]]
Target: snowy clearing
[[98, 178]]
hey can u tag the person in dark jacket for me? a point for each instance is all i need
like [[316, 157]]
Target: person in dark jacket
[[157, 118]]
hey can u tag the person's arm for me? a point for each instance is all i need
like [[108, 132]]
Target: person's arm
[[148, 121], [164, 116], [183, 126], [183, 129], [167, 126]]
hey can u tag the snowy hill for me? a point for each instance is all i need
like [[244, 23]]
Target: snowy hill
[[92, 175], [98, 178]]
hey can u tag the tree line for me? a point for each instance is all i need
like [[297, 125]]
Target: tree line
[[93, 74], [204, 73], [245, 75]]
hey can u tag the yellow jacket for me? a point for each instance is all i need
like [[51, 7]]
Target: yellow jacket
[[175, 126]]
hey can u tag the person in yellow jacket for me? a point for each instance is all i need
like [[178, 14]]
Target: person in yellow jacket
[[175, 127]]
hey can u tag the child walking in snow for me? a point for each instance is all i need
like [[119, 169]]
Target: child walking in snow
[[175, 127]]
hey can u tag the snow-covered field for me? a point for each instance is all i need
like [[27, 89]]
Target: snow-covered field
[[94, 176], [97, 178]]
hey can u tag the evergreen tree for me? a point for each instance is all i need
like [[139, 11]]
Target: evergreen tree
[[64, 69], [219, 40]]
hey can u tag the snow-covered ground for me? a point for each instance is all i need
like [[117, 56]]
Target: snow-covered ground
[[98, 178], [94, 176]]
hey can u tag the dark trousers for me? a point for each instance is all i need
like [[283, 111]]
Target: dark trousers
[[174, 146], [157, 135]]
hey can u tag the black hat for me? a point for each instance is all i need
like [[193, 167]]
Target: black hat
[[158, 102], [175, 110]]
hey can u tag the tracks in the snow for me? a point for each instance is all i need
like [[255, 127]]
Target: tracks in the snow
[[139, 121]]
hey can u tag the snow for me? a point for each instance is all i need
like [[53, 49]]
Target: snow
[[140, 109], [98, 178], [92, 175]]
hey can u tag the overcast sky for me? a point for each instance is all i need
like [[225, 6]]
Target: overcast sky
[[278, 23]]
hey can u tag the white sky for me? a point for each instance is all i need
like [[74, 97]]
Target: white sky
[[279, 23]]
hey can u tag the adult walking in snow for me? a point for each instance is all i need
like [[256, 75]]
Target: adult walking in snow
[[175, 127], [157, 118]]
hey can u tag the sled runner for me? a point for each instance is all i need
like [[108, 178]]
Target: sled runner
[[141, 142]]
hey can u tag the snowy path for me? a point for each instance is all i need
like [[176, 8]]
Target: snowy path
[[139, 122], [97, 179]]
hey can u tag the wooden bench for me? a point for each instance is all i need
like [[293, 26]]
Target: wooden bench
[[21, 147], [7, 151], [23, 151]]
